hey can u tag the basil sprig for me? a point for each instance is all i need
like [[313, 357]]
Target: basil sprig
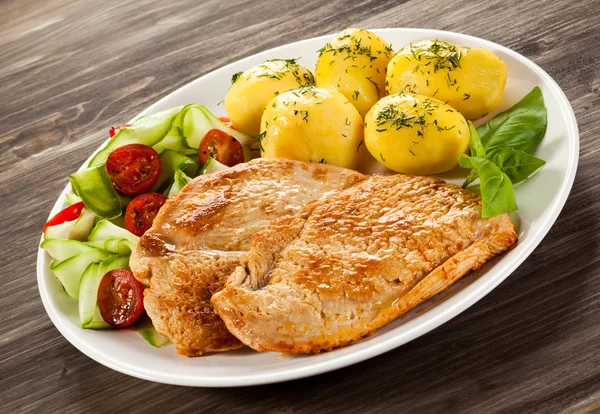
[[501, 152]]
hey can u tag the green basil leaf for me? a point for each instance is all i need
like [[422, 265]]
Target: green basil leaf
[[476, 146], [497, 194], [477, 150], [470, 178], [521, 127], [517, 165]]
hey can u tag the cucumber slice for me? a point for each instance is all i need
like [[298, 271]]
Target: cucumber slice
[[171, 162], [242, 138], [146, 329], [147, 130], [176, 143], [96, 190], [83, 225], [88, 295], [117, 246], [69, 271], [198, 121], [178, 120], [62, 249], [89, 314], [60, 231], [212, 165], [247, 153], [180, 179], [73, 230], [72, 199], [104, 230]]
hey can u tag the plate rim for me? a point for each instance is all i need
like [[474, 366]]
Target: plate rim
[[438, 315]]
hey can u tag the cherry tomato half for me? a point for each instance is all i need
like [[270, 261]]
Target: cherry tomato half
[[113, 130], [120, 298], [222, 147], [133, 168], [141, 211], [68, 214]]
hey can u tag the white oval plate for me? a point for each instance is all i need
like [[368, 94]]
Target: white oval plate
[[540, 199]]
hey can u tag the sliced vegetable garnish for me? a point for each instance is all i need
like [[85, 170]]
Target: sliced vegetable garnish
[[180, 179], [70, 271], [211, 165], [64, 249], [69, 213], [105, 230], [134, 168], [141, 211], [147, 130], [146, 329], [222, 147], [117, 246], [198, 120], [120, 298], [171, 162], [89, 312], [175, 141], [88, 298], [96, 189]]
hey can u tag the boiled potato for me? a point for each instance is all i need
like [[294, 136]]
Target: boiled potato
[[251, 91], [313, 125], [354, 64], [471, 80], [414, 134]]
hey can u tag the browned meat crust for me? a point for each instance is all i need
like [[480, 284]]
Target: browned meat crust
[[349, 264], [198, 237]]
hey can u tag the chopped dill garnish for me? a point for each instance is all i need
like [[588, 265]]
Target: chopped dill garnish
[[358, 148], [467, 96], [442, 54], [395, 118], [235, 77], [381, 155], [353, 48], [303, 113], [355, 95], [370, 79], [286, 66], [260, 138]]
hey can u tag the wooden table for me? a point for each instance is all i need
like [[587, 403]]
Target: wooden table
[[69, 70]]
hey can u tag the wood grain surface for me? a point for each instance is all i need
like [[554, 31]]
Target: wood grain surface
[[71, 69]]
